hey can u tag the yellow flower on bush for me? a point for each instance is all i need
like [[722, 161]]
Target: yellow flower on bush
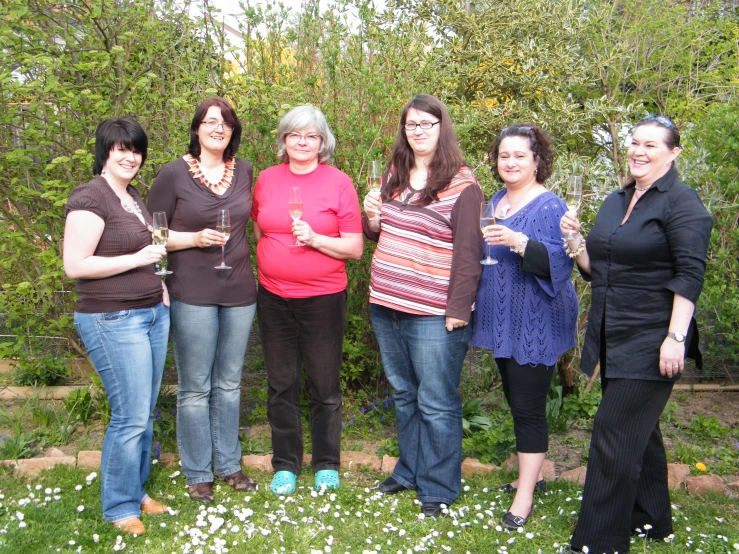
[[700, 466]]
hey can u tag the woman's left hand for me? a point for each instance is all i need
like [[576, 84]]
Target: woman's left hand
[[165, 295], [303, 232], [500, 235], [452, 323], [671, 357]]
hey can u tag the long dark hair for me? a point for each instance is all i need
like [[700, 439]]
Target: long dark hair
[[446, 161], [118, 131], [229, 116]]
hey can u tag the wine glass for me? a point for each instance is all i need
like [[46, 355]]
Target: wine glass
[[223, 225], [160, 236], [487, 217], [295, 208], [374, 181], [574, 195]]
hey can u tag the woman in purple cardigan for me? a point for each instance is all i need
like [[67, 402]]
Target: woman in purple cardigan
[[526, 306]]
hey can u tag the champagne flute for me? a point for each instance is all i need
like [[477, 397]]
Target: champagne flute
[[574, 195], [295, 208], [374, 181], [160, 236], [223, 225], [487, 217]]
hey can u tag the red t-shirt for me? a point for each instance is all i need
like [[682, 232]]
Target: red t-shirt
[[330, 207]]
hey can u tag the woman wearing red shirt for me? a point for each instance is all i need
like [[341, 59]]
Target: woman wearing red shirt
[[301, 302]]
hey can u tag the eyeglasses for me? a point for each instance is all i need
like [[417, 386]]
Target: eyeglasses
[[425, 125], [661, 119], [213, 124], [312, 138]]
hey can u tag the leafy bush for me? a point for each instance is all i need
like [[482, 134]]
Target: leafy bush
[[389, 447], [46, 370], [493, 445], [78, 405], [472, 419], [581, 404]]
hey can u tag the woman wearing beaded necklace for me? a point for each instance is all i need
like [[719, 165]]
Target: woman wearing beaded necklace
[[121, 313], [212, 310], [645, 258], [526, 306]]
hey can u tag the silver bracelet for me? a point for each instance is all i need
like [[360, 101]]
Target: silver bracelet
[[522, 241]]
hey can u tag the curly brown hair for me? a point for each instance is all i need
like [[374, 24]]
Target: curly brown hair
[[539, 141]]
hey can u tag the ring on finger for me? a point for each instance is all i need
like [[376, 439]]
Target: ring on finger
[[210, 243]]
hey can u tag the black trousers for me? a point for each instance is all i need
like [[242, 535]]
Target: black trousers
[[626, 482], [309, 332], [526, 388]]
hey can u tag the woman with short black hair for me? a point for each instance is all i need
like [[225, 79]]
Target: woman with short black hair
[[121, 315]]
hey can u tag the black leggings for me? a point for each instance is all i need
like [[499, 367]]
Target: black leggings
[[526, 388]]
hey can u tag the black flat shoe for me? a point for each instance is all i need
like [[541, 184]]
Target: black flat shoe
[[431, 509], [540, 486], [512, 522], [391, 486]]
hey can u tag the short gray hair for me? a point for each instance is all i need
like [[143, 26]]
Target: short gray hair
[[301, 118]]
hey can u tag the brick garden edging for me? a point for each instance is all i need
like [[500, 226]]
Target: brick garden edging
[[678, 474]]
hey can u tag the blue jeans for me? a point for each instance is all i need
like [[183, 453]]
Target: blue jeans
[[128, 349], [209, 348], [423, 362]]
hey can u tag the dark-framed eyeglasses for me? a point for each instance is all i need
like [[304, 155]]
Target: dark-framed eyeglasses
[[661, 119], [214, 124], [424, 125]]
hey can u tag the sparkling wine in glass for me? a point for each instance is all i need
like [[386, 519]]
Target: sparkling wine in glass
[[295, 208], [574, 195], [223, 225], [487, 218], [374, 181], [160, 236]]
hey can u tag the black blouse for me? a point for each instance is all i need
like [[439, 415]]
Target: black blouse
[[637, 268]]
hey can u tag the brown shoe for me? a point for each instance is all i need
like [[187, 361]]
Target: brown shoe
[[132, 525], [240, 482], [202, 492], [151, 506]]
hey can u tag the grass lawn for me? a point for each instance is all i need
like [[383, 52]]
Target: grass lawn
[[60, 512]]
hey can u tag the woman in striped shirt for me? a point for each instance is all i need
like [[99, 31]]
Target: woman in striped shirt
[[422, 289]]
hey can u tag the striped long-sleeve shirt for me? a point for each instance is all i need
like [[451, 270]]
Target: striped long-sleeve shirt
[[427, 260]]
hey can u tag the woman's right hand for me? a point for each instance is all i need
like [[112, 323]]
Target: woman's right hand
[[209, 237], [569, 224], [372, 204], [151, 254]]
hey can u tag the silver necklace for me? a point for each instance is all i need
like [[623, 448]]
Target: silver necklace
[[132, 208], [641, 189]]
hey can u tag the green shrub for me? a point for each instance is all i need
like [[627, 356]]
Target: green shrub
[[46, 370], [494, 445]]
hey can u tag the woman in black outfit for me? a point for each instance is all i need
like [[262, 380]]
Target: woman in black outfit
[[646, 258]]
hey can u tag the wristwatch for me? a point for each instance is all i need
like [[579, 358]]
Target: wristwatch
[[679, 337]]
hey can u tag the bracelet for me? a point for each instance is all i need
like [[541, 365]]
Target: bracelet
[[580, 246], [522, 241]]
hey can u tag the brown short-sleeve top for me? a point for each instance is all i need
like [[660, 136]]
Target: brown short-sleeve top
[[123, 234]]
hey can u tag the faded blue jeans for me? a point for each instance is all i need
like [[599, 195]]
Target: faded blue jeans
[[209, 348], [423, 362], [128, 349]]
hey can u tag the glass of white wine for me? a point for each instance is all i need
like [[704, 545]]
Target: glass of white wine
[[295, 208], [223, 225], [487, 218], [160, 236], [574, 195], [374, 181]]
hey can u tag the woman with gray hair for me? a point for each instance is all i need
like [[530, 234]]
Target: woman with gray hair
[[307, 224]]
